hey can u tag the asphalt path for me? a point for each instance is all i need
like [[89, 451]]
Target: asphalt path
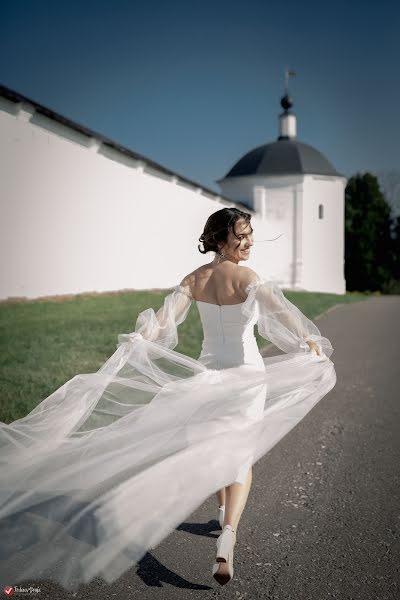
[[323, 516]]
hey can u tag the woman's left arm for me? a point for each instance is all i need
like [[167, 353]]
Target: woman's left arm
[[284, 324]]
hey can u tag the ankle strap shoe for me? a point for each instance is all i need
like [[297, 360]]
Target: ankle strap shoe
[[223, 567]]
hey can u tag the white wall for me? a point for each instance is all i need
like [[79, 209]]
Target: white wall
[[79, 216], [310, 253], [75, 218], [323, 239], [274, 200]]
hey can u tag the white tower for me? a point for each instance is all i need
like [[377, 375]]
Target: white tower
[[295, 189]]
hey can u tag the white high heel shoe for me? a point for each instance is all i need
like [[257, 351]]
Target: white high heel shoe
[[223, 567], [221, 515]]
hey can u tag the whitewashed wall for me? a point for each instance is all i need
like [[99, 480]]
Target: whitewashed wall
[[77, 217], [310, 253], [323, 239], [273, 201], [80, 216]]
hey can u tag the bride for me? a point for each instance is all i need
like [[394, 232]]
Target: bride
[[109, 464]]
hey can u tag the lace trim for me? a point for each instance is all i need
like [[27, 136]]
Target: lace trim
[[254, 283], [184, 290], [187, 292]]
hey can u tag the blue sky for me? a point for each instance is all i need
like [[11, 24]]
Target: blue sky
[[195, 85]]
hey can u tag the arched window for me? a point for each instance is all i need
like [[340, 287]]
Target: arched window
[[321, 211]]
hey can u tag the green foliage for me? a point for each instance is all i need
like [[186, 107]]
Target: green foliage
[[394, 282], [370, 251]]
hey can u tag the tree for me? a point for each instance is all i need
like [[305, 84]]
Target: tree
[[389, 182], [396, 248], [393, 285], [368, 243]]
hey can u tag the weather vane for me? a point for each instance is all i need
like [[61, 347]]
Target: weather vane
[[288, 73]]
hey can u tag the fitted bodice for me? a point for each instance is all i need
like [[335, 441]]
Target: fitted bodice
[[229, 338]]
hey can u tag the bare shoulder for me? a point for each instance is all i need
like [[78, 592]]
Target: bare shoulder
[[246, 276], [237, 275], [188, 280]]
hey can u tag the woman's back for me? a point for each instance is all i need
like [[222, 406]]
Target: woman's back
[[222, 284], [219, 293]]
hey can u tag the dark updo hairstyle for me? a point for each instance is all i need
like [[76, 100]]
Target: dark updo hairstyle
[[218, 226]]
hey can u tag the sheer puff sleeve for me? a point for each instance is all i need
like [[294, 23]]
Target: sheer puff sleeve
[[161, 327], [280, 321]]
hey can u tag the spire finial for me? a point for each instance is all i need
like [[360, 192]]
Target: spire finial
[[286, 101], [288, 73], [287, 120]]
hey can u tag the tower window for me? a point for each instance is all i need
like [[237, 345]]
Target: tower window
[[321, 211]]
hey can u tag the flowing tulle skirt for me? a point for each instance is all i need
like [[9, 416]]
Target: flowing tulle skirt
[[110, 463]]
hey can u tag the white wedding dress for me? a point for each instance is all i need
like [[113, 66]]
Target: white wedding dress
[[111, 462], [229, 341]]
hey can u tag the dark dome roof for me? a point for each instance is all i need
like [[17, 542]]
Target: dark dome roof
[[283, 157]]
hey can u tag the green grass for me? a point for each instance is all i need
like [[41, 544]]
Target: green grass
[[45, 343]]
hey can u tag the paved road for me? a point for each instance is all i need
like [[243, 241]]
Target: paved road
[[323, 516]]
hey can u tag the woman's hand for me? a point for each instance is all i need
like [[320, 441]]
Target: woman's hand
[[314, 347]]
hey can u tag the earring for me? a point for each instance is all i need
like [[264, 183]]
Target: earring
[[221, 255]]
